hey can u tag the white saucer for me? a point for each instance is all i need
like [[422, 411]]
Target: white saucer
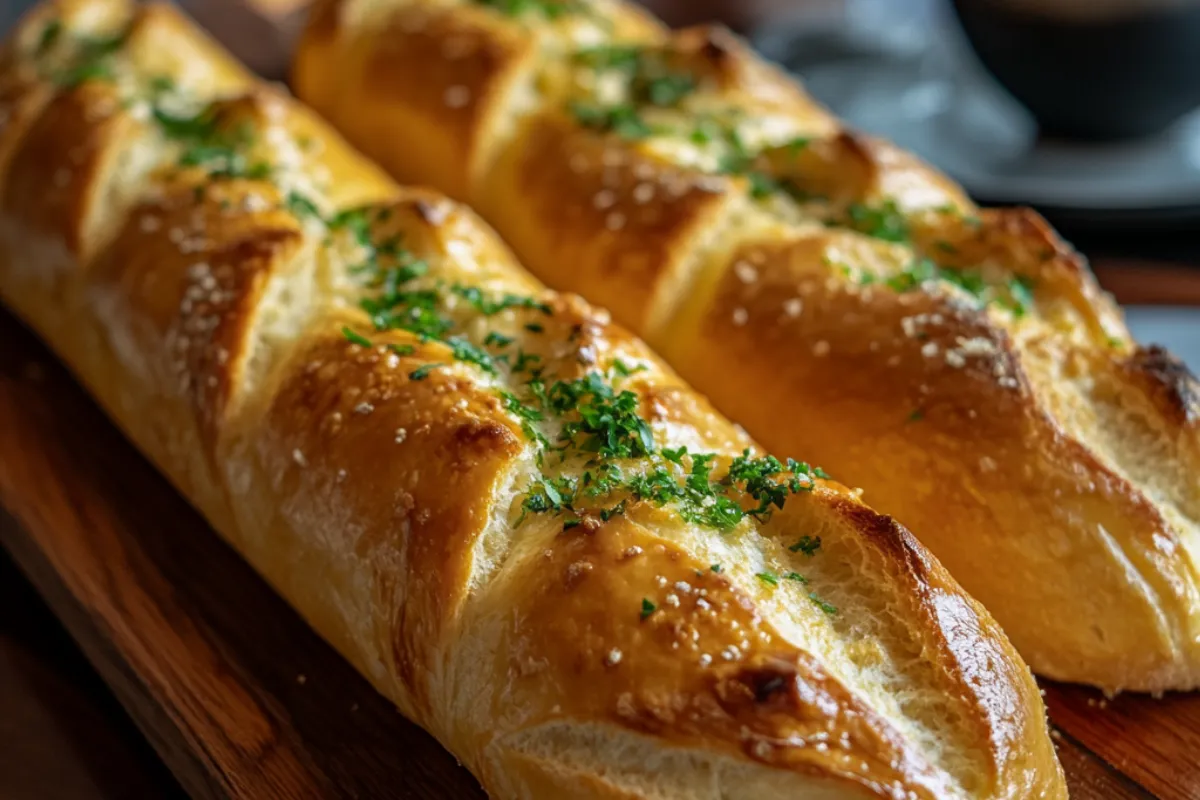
[[940, 104], [1176, 328]]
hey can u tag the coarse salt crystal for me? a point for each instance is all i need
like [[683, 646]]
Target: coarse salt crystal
[[745, 271], [457, 96]]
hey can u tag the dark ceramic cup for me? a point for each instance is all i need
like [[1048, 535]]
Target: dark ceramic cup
[[1123, 70]]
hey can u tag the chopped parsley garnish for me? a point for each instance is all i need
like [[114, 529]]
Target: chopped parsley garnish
[[422, 372], [650, 83], [494, 339], [769, 578], [50, 35], [301, 206], [750, 488], [356, 221], [91, 61], [675, 455], [809, 545], [759, 479], [624, 57], [796, 576], [1015, 294], [355, 337], [162, 84], [715, 568], [465, 351], [604, 421], [650, 80], [527, 415], [490, 306], [668, 90], [739, 160], [551, 9], [648, 608], [91, 71], [207, 144], [884, 221], [622, 119], [525, 361], [624, 370], [821, 604], [706, 130], [197, 126], [1020, 290]]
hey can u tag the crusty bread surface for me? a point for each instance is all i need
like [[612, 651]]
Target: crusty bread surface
[[504, 510], [826, 290]]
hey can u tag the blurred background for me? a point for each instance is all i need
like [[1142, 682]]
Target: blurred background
[[1088, 110]]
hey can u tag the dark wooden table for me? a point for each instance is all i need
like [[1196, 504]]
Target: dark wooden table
[[63, 735]]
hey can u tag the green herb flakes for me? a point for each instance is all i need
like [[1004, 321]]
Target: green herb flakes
[[648, 608], [50, 34], [550, 9], [301, 207], [422, 372], [821, 604], [809, 545], [356, 338], [884, 221], [622, 119]]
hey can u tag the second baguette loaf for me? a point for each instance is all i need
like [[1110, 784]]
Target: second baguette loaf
[[501, 508], [824, 289]]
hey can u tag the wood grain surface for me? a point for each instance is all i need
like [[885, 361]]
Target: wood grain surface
[[63, 735], [241, 700], [235, 693]]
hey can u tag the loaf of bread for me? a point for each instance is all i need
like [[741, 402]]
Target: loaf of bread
[[827, 291], [500, 507]]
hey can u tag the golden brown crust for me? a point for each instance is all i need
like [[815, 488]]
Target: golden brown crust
[[840, 299], [374, 404], [964, 437], [624, 225]]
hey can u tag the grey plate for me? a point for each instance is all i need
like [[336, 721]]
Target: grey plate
[[939, 103], [1176, 328]]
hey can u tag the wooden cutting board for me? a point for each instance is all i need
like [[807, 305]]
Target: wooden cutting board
[[242, 700]]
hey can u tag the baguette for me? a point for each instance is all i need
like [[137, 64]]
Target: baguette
[[829, 292], [505, 511]]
